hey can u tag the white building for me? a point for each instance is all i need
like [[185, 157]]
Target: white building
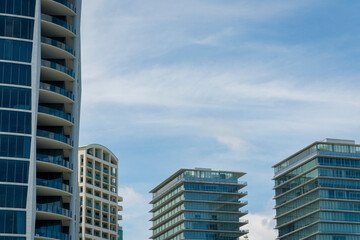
[[98, 183], [40, 86]]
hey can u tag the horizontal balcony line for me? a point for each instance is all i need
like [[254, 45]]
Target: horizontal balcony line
[[58, 44], [56, 113], [58, 22], [54, 159], [53, 209], [55, 136], [53, 184], [55, 89], [58, 67]]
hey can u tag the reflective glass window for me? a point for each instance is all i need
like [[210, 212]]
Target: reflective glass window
[[14, 171], [15, 50], [12, 222], [14, 97], [18, 7], [17, 74], [13, 196], [13, 121], [14, 146], [16, 27]]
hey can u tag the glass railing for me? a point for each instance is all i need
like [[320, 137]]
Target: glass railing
[[57, 44], [106, 180], [89, 204], [47, 233], [50, 208], [89, 174], [88, 214], [113, 211], [97, 177], [113, 174], [53, 184], [105, 219], [56, 136], [58, 160], [58, 21], [89, 165], [56, 113], [66, 3], [113, 184], [113, 221], [106, 170], [97, 206], [57, 67], [97, 217], [98, 168], [52, 88], [106, 209]]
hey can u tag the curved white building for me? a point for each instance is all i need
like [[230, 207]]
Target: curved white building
[[40, 86], [98, 183]]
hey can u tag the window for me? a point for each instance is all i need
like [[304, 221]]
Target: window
[[13, 73], [14, 171], [18, 7], [14, 146], [16, 27], [12, 222], [12, 196], [15, 50], [12, 121], [14, 97]]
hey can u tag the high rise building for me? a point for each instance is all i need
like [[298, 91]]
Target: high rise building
[[39, 118], [317, 192], [199, 204], [98, 182]]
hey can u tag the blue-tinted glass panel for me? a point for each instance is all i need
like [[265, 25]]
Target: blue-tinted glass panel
[[12, 196], [18, 7], [17, 74], [11, 238], [12, 222], [14, 146], [210, 187], [16, 27], [14, 171], [13, 121], [15, 50], [14, 97]]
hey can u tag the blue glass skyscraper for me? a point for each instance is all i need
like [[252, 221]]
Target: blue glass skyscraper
[[199, 204], [317, 192], [40, 88]]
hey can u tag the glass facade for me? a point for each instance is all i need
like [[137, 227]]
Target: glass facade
[[317, 197], [198, 204], [16, 35]]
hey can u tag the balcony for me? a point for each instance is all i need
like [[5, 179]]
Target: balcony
[[51, 48], [106, 170], [47, 233], [53, 184], [57, 160], [54, 89], [58, 67], [90, 165], [97, 177], [97, 206], [53, 209], [55, 113], [106, 180], [54, 136], [97, 167], [112, 221], [58, 22]]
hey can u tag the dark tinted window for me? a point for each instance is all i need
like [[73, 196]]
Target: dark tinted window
[[12, 196], [12, 222], [14, 171], [13, 97], [16, 27], [14, 146], [15, 50], [18, 7], [18, 74], [13, 121]]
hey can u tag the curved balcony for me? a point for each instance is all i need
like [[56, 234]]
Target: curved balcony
[[60, 71], [54, 26], [61, 7], [55, 113], [51, 140], [48, 234], [52, 48], [51, 212], [51, 93], [55, 186], [52, 163]]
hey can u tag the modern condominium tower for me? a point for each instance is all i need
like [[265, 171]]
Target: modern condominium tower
[[317, 192], [39, 118], [199, 204], [98, 180]]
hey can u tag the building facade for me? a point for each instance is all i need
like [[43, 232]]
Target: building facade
[[40, 88], [317, 192], [98, 182], [199, 204]]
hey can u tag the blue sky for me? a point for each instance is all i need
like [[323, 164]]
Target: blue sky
[[230, 85]]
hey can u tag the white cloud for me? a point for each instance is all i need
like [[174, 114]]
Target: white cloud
[[135, 214], [261, 226]]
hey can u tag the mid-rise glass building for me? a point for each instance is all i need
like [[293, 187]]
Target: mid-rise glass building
[[40, 88], [199, 204], [317, 192]]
